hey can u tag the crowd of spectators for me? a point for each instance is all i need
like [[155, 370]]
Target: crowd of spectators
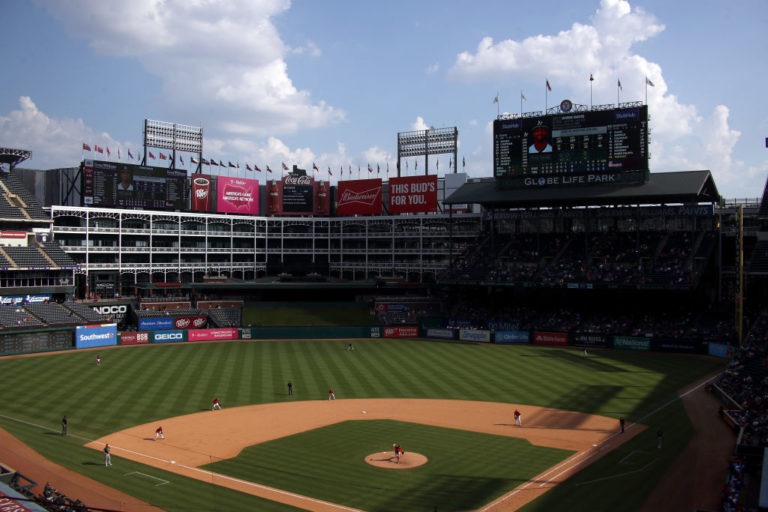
[[51, 499], [625, 259], [709, 326], [734, 485]]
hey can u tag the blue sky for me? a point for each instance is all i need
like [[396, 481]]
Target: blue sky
[[333, 82]]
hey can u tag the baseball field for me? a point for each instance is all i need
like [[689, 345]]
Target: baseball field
[[450, 404]]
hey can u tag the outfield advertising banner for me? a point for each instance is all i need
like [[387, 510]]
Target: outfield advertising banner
[[237, 195], [475, 335], [550, 338], [719, 350], [190, 322], [213, 334], [134, 338], [512, 337], [446, 334], [631, 343], [155, 324], [113, 311], [414, 194], [410, 331], [99, 335], [589, 340], [169, 336], [680, 346], [359, 197]]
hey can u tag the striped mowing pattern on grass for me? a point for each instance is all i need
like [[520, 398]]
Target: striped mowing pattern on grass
[[140, 384]]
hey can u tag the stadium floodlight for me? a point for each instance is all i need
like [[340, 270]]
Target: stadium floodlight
[[432, 141], [13, 157], [174, 137]]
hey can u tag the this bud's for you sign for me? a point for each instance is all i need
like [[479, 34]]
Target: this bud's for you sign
[[414, 194]]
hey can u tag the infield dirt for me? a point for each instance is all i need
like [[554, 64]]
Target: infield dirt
[[204, 437]]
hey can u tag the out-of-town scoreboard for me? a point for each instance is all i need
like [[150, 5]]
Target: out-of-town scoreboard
[[584, 147]]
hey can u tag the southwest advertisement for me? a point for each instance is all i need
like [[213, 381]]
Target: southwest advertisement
[[415, 194], [99, 335], [359, 197]]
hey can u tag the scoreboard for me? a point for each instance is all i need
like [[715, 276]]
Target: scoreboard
[[572, 148], [115, 184]]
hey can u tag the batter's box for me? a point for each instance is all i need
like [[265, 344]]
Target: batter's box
[[634, 458], [159, 481]]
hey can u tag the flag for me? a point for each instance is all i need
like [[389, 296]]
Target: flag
[[350, 170], [194, 161], [108, 153], [100, 150], [620, 88], [417, 165], [213, 162], [163, 157], [232, 165], [463, 162], [248, 167], [549, 87], [206, 162], [437, 164], [406, 165], [378, 169], [130, 155], [522, 96], [285, 167], [449, 163], [268, 169], [591, 78], [257, 168], [86, 147], [314, 166], [387, 168], [181, 157], [341, 170], [369, 168], [221, 163], [647, 81], [496, 99], [329, 171], [118, 153], [151, 155]]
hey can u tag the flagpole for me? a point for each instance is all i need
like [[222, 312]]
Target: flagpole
[[546, 98], [618, 88], [646, 90], [591, 79]]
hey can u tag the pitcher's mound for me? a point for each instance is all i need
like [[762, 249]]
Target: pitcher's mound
[[387, 460]]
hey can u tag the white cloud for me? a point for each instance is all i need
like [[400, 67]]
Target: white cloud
[[58, 140], [434, 68], [224, 57], [681, 138], [419, 124]]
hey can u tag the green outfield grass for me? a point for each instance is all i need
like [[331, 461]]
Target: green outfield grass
[[142, 384], [465, 470]]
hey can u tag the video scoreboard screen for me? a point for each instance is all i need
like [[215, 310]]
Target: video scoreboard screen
[[120, 185], [572, 148]]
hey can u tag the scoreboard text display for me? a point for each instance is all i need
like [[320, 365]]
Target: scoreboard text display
[[573, 148], [114, 184]]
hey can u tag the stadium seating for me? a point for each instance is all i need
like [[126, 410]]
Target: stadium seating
[[54, 314], [16, 317], [225, 317], [27, 257], [85, 312], [32, 206]]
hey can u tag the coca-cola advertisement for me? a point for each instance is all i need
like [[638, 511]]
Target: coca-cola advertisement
[[414, 194], [237, 195], [323, 199], [274, 203], [298, 195], [201, 193], [359, 197]]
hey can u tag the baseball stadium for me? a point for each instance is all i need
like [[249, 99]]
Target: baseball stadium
[[572, 332]]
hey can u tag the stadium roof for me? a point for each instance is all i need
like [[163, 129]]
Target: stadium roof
[[661, 188]]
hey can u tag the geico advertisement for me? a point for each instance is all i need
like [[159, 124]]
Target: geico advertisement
[[95, 335], [169, 336]]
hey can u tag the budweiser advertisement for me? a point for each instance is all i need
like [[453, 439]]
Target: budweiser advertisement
[[201, 193], [359, 197], [237, 195], [414, 194]]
